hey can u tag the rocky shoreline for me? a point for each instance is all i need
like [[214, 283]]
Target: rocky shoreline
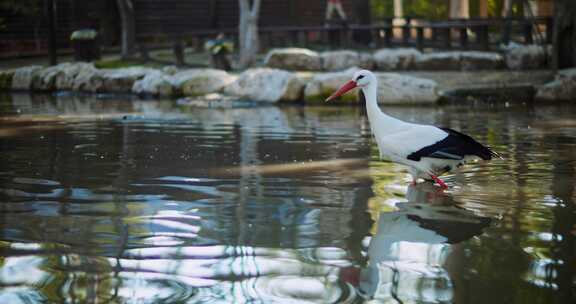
[[406, 76]]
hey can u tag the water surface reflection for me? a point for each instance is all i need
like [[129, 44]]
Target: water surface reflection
[[112, 200], [409, 256]]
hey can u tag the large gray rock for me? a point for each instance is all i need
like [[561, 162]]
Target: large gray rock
[[473, 60], [345, 59], [402, 89], [293, 59], [323, 85], [366, 61], [45, 79], [395, 59], [170, 69], [23, 77], [453, 61], [68, 72], [562, 88], [93, 80], [88, 79], [339, 60], [201, 81], [265, 84], [154, 83], [122, 80], [58, 77], [438, 61], [521, 57]]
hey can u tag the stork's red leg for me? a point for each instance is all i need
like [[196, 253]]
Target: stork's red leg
[[440, 182]]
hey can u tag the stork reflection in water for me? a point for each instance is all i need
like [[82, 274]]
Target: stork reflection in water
[[408, 256]]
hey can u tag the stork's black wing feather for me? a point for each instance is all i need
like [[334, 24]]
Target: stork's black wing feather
[[454, 146]]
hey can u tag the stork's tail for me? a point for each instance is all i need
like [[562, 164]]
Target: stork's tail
[[493, 154]]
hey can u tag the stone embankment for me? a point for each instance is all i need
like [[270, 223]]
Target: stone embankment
[[562, 88], [406, 76], [511, 57], [259, 84]]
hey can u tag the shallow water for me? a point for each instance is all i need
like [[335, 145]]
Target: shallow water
[[118, 201]]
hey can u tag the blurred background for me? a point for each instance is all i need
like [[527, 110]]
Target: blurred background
[[176, 30]]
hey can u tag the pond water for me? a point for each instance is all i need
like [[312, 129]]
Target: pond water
[[115, 200]]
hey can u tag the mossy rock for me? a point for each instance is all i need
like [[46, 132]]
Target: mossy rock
[[119, 64], [199, 82], [349, 98], [6, 80], [267, 85], [200, 86], [114, 64], [323, 85]]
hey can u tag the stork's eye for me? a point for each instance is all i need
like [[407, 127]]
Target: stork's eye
[[359, 77]]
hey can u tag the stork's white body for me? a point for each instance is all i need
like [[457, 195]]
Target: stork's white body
[[427, 150], [397, 139]]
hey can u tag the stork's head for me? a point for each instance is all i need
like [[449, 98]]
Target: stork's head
[[361, 79]]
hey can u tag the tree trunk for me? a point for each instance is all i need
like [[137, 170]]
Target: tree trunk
[[483, 8], [507, 8], [248, 32], [398, 11], [126, 10], [109, 28], [507, 26], [459, 9], [564, 50], [529, 8], [52, 48]]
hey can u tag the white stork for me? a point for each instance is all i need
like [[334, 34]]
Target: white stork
[[428, 151]]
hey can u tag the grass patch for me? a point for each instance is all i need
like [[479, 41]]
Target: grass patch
[[115, 64], [6, 80], [119, 63]]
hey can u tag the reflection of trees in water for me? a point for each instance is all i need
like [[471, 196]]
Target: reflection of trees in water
[[515, 260], [64, 104], [496, 263], [562, 271], [110, 197], [56, 277]]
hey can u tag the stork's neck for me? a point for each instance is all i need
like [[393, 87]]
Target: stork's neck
[[379, 121]]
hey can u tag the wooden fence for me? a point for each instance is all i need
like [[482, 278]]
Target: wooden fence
[[478, 34], [457, 34]]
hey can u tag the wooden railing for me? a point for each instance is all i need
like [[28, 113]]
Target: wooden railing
[[462, 34], [458, 34]]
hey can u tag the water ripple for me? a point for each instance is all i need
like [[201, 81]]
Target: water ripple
[[155, 202]]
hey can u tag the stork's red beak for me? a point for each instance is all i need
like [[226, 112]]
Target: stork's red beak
[[342, 90]]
